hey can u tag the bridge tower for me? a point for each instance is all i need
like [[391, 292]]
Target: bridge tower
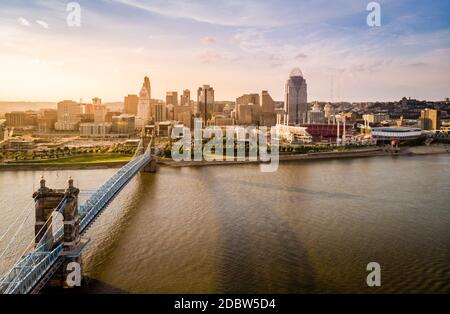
[[72, 242], [46, 201], [147, 137]]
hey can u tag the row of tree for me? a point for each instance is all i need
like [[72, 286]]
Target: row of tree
[[56, 153]]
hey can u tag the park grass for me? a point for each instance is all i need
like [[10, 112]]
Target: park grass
[[80, 159]]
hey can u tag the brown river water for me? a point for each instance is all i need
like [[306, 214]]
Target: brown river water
[[308, 227]]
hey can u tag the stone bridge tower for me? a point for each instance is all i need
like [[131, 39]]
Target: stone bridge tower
[[47, 200], [147, 137]]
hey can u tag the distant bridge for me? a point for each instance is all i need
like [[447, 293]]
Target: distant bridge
[[51, 252]]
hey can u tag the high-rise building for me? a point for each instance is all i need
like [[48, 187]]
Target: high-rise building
[[246, 114], [268, 116], [248, 99], [185, 99], [69, 116], [295, 104], [205, 103], [130, 104], [248, 109], [429, 119], [100, 112], [170, 112], [148, 87], [159, 112], [172, 98], [143, 114], [267, 103], [183, 114]]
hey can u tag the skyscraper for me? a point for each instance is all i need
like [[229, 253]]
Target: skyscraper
[[148, 87], [143, 114], [205, 102], [268, 116], [185, 99], [429, 119], [69, 116], [295, 104], [172, 98], [159, 112], [248, 109], [130, 104], [100, 112]]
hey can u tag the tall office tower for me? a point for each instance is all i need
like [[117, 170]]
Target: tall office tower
[[429, 119], [248, 99], [100, 114], [295, 104], [159, 112], [205, 103], [69, 116], [130, 104], [143, 112], [96, 101], [268, 116], [172, 98], [267, 103], [148, 87], [248, 104], [246, 114], [185, 99]]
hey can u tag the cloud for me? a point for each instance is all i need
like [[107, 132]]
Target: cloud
[[208, 40], [42, 23], [248, 13], [211, 56], [301, 55], [24, 22]]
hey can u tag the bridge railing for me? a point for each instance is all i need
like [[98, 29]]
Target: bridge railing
[[34, 273]]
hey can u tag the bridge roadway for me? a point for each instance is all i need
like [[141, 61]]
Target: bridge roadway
[[33, 270]]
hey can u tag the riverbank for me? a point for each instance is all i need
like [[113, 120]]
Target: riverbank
[[61, 166], [427, 150], [355, 153], [88, 161]]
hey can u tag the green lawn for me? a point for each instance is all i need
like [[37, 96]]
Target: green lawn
[[81, 159]]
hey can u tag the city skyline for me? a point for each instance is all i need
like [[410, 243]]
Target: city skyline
[[236, 47]]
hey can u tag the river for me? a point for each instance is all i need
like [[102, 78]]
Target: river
[[309, 227]]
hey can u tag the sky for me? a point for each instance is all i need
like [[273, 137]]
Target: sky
[[236, 46]]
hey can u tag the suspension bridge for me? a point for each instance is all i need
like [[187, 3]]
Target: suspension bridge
[[47, 256]]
